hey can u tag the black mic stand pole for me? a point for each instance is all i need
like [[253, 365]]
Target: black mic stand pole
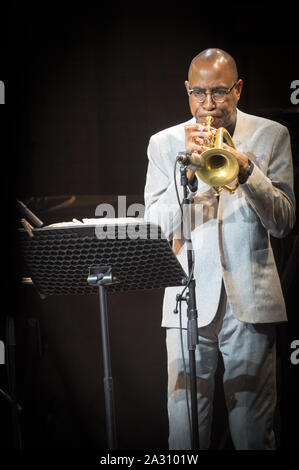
[[192, 326]]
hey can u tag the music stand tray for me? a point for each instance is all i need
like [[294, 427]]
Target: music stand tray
[[115, 257]]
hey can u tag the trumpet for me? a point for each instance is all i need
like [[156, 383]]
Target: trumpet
[[217, 166]]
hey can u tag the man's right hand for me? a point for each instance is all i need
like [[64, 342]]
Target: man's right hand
[[194, 142]]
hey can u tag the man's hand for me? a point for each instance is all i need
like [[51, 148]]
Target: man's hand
[[242, 159], [194, 142]]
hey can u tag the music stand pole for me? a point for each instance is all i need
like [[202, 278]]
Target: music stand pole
[[102, 276], [192, 325]]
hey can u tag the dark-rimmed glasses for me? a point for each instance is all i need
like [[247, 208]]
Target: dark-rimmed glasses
[[218, 94]]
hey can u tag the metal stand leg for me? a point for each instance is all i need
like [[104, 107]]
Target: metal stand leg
[[108, 381], [192, 325], [11, 372], [102, 276], [192, 342]]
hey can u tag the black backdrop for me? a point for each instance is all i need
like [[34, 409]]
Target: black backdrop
[[86, 86]]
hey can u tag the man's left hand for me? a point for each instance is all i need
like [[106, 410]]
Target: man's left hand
[[242, 159]]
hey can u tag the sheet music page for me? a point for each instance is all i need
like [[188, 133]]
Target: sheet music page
[[99, 221], [113, 221], [65, 224]]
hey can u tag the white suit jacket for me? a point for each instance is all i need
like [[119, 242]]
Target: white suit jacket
[[231, 240]]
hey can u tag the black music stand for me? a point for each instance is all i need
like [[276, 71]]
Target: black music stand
[[113, 257]]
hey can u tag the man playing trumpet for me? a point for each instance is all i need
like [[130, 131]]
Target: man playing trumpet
[[238, 292]]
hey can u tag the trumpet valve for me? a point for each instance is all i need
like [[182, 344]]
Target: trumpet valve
[[209, 141]]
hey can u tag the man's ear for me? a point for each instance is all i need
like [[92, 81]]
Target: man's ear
[[187, 85], [239, 87]]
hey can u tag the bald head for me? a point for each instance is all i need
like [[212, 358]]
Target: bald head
[[218, 59]]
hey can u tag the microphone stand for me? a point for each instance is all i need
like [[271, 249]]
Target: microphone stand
[[192, 325]]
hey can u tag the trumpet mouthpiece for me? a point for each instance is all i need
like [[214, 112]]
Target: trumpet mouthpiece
[[209, 120]]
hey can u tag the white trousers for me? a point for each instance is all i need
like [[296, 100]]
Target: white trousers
[[249, 356]]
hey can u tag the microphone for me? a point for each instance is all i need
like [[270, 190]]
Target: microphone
[[191, 160]]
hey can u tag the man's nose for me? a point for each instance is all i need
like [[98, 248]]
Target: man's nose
[[208, 103]]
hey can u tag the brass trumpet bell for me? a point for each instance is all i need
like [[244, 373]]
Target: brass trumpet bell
[[220, 167]]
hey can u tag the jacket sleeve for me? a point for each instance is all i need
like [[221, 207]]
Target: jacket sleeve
[[271, 196], [160, 197]]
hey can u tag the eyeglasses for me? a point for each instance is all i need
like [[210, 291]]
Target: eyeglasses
[[218, 94]]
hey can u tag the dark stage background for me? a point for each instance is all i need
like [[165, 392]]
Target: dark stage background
[[86, 87]]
